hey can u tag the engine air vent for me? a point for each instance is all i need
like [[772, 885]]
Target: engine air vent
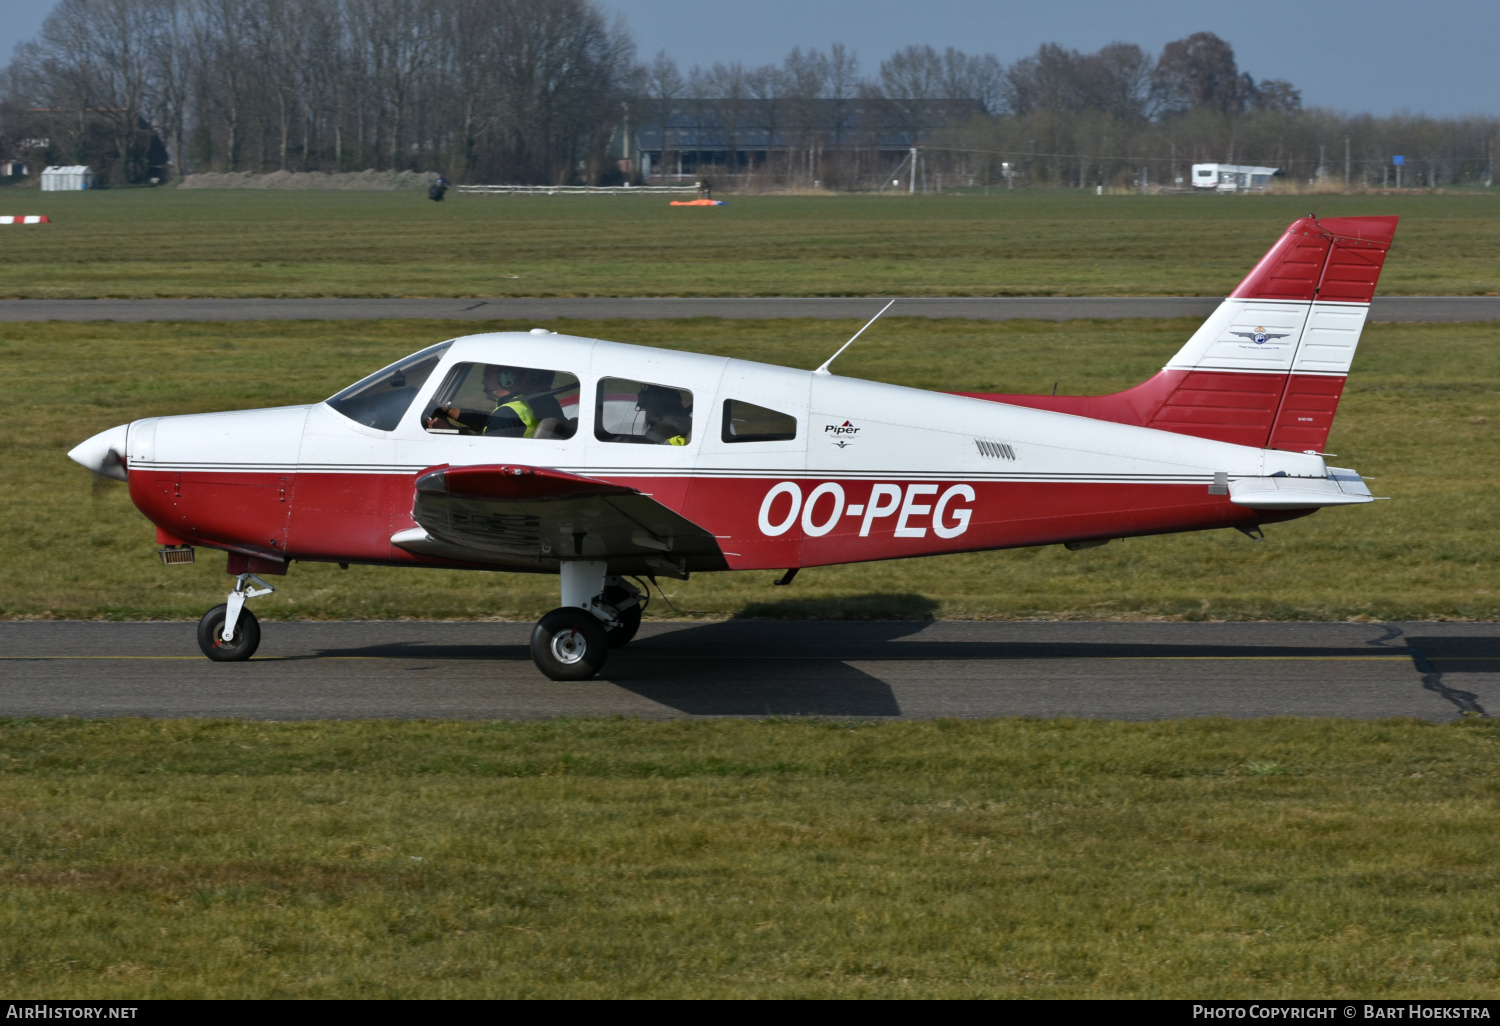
[[174, 555], [995, 450]]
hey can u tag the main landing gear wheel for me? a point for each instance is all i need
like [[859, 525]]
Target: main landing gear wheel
[[569, 644], [211, 635]]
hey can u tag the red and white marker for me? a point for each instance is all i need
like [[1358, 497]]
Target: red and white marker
[[25, 219]]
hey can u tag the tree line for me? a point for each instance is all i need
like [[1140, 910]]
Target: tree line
[[508, 90], [549, 91]]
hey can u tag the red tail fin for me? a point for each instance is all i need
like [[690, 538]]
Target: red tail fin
[[1268, 367]]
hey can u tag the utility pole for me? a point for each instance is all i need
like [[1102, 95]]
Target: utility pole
[[1346, 163], [911, 179], [625, 106]]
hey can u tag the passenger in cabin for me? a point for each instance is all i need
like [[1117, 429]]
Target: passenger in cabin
[[668, 421]]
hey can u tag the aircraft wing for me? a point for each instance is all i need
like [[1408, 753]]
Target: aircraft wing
[[532, 518]]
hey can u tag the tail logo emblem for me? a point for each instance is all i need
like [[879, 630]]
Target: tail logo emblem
[[1259, 336]]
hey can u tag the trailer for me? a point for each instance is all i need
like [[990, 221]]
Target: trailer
[[1233, 177]]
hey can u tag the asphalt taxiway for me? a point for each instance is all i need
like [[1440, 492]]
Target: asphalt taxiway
[[542, 309], [876, 670]]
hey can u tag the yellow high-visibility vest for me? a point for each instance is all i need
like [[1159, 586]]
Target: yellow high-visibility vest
[[522, 410]]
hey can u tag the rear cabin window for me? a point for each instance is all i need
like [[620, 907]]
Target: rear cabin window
[[643, 413], [746, 422], [381, 400], [501, 401]]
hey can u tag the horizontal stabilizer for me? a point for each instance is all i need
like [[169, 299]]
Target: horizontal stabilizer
[[1340, 488]]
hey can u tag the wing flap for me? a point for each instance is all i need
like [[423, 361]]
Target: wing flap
[[533, 518]]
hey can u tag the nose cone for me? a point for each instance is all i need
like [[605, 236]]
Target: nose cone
[[104, 453]]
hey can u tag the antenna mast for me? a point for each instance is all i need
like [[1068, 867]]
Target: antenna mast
[[824, 369]]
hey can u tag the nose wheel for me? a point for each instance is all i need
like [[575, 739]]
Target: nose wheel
[[240, 647], [230, 633]]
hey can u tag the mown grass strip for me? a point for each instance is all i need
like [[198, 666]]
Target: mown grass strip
[[135, 243], [1060, 858]]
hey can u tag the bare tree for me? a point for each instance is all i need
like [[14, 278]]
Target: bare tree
[[909, 79], [1274, 94], [1199, 71], [223, 40], [90, 67], [534, 90], [728, 84], [805, 78], [980, 77], [664, 90], [767, 87], [1117, 82], [844, 86], [170, 62]]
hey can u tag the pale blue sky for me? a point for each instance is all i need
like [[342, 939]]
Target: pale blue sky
[[19, 21], [1380, 56]]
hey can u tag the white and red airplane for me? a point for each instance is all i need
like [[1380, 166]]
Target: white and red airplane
[[604, 463]]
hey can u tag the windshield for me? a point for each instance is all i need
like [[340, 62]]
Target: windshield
[[380, 400]]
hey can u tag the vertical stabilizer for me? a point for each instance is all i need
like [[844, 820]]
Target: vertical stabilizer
[[1268, 367]]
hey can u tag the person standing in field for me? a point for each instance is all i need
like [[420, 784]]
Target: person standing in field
[[436, 191]]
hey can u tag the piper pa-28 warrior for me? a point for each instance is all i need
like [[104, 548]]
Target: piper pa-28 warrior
[[605, 463]]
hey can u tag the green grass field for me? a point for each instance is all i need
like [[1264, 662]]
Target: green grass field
[[170, 242], [1419, 418], [1205, 859]]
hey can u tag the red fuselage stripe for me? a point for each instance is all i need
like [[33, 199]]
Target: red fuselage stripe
[[350, 517]]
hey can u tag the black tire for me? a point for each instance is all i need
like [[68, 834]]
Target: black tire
[[246, 635], [569, 644], [630, 622]]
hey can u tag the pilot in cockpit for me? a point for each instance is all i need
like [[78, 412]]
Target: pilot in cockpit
[[525, 406]]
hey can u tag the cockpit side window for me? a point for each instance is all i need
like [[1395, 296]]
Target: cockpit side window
[[643, 413], [502, 401], [746, 422], [382, 399]]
